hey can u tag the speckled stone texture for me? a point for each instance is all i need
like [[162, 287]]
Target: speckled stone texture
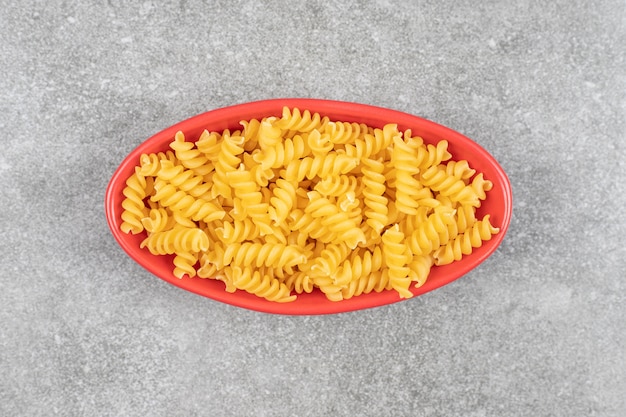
[[537, 330]]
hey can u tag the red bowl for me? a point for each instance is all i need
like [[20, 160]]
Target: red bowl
[[498, 203]]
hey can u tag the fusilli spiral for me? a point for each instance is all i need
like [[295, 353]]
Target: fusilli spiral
[[396, 256], [134, 208], [465, 242], [177, 240]]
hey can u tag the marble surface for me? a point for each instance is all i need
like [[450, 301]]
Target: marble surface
[[537, 330]]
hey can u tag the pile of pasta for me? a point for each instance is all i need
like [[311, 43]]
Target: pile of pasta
[[298, 203]]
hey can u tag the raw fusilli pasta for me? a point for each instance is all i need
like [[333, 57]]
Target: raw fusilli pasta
[[296, 202]]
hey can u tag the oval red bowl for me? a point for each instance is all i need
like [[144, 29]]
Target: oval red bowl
[[498, 203]]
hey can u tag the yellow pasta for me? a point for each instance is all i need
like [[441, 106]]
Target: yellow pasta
[[134, 208], [178, 239], [396, 257], [295, 203]]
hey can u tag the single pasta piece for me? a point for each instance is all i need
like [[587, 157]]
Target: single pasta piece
[[332, 164], [209, 143], [260, 283], [250, 133], [345, 132], [185, 179], [465, 242], [237, 231], [177, 240], [228, 160], [184, 264], [178, 200], [269, 134], [134, 208], [396, 257], [302, 122], [420, 268], [282, 201], [373, 193], [408, 188], [259, 254]]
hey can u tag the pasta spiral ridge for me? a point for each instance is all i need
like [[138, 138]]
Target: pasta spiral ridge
[[372, 144], [362, 262], [449, 186], [333, 218], [465, 242], [345, 132], [336, 185], [209, 143], [133, 205], [376, 281], [465, 216], [184, 264], [157, 220], [262, 254], [151, 163], [208, 269], [237, 231], [432, 155], [178, 239], [480, 186], [189, 156], [282, 201], [374, 199], [419, 268], [396, 260], [330, 258], [300, 282], [300, 121], [249, 199], [320, 144], [261, 284], [250, 133], [184, 179], [269, 134], [189, 206], [311, 227], [408, 188], [332, 164], [281, 154], [228, 160], [460, 170], [431, 233]]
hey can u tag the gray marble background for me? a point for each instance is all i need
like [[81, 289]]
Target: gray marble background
[[537, 330]]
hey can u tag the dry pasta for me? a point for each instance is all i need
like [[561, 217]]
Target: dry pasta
[[300, 202]]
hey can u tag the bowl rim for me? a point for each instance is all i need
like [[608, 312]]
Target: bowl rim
[[315, 303]]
